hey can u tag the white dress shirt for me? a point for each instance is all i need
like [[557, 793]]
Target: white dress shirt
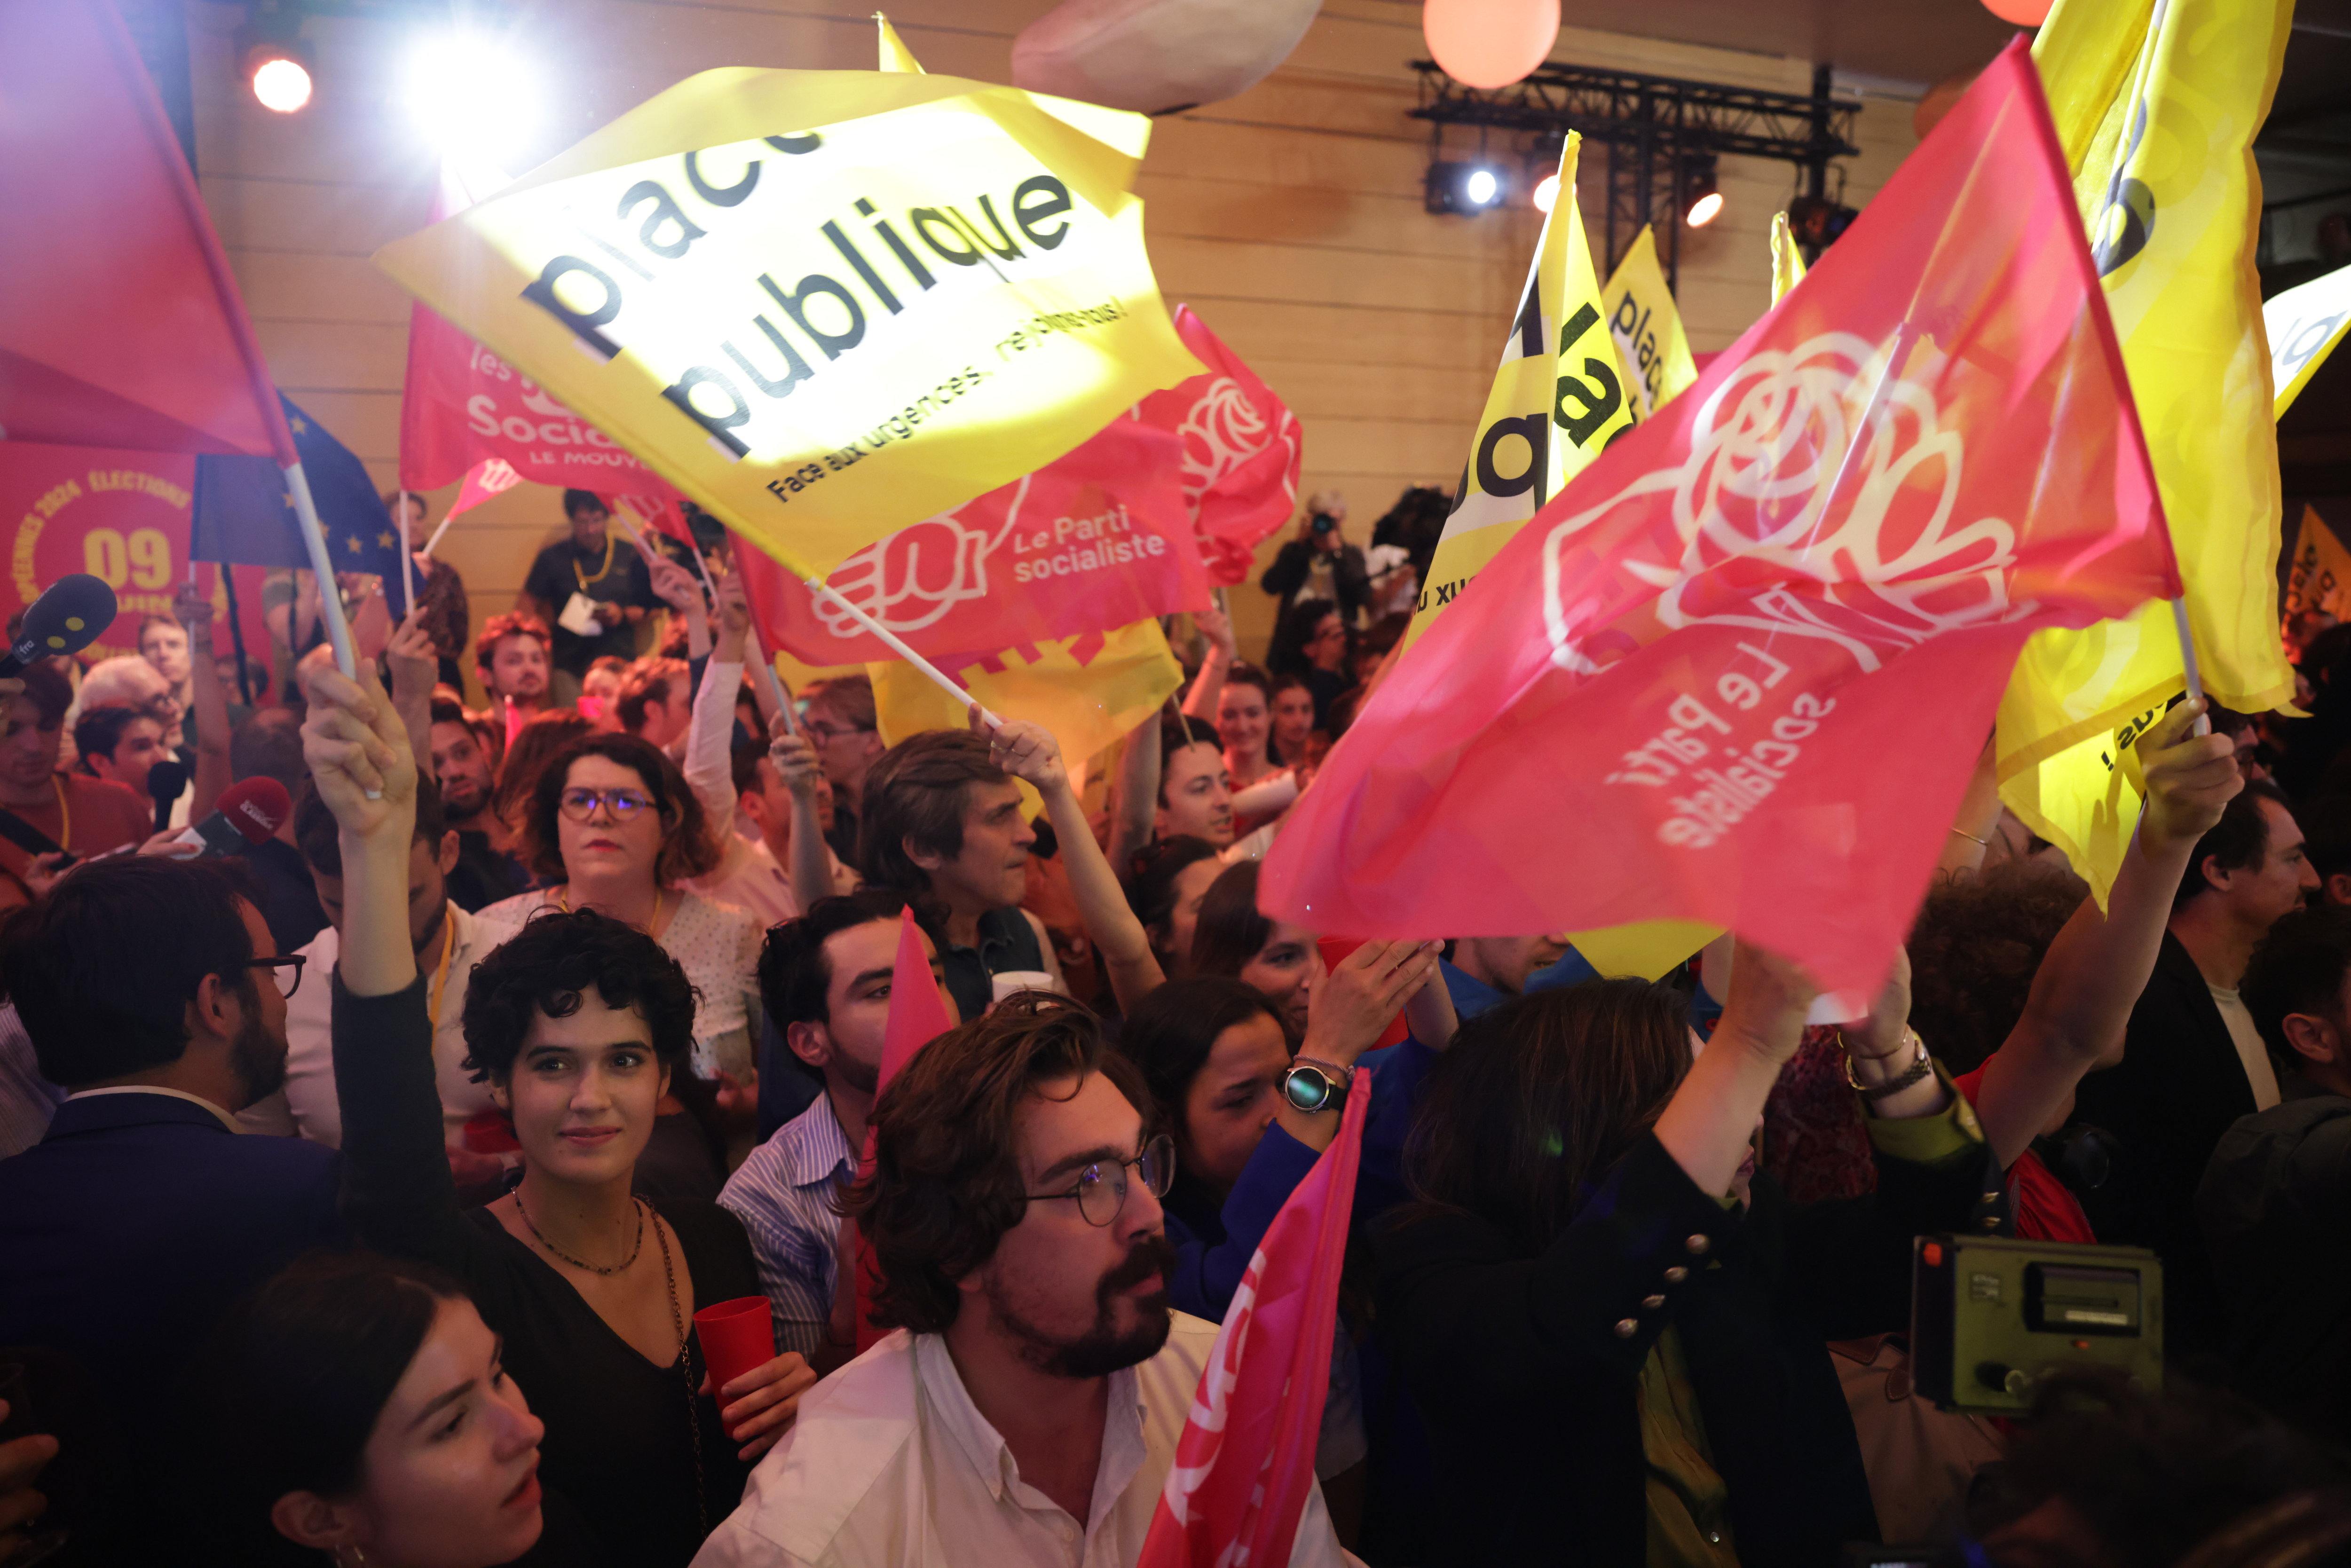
[[890, 1465], [307, 1107]]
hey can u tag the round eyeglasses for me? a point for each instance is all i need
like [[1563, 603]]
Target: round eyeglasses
[[579, 804], [1100, 1187]]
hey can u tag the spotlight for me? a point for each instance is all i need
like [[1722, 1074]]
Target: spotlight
[[1546, 193], [1817, 222], [468, 92], [274, 61], [1463, 187], [1700, 189]]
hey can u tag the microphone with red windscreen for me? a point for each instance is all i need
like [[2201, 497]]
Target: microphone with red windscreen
[[250, 813]]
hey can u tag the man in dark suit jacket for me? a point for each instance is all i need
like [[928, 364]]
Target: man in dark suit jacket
[[132, 1224], [2192, 1061]]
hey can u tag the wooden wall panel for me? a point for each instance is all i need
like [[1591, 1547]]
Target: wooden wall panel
[[1290, 217]]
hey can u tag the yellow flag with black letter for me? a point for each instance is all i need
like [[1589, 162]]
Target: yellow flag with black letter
[[2305, 323], [1560, 396], [2157, 103], [2319, 575], [825, 304], [1647, 327]]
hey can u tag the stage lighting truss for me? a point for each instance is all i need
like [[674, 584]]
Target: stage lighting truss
[[1663, 138]]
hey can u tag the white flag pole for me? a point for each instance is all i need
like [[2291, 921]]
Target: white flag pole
[[314, 539], [2188, 662], [823, 591], [767, 677], [407, 556]]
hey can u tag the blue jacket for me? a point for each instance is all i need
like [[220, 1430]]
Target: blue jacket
[[130, 1228]]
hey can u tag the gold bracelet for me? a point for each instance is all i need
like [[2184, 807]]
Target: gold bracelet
[[1921, 1066]]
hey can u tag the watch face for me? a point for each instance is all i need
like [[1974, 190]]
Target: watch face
[[1306, 1089]]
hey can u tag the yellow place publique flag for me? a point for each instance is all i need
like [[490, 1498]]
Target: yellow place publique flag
[[2320, 575], [823, 304], [2157, 103], [1560, 396], [1647, 327], [1787, 261]]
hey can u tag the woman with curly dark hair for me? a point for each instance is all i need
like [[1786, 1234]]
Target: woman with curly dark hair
[[580, 1023]]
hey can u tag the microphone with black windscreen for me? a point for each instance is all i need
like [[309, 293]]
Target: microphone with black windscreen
[[71, 614], [166, 783], [250, 813]]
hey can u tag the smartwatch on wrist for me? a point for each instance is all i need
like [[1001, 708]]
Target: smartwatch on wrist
[[1311, 1085]]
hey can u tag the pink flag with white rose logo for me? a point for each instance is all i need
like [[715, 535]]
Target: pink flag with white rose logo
[[1240, 452], [1739, 669], [1099, 539]]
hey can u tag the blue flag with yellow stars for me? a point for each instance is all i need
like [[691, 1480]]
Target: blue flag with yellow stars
[[243, 514]]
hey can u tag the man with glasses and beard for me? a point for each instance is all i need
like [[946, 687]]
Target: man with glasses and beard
[[153, 992], [1028, 1408]]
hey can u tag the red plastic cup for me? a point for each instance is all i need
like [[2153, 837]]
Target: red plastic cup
[[737, 1336]]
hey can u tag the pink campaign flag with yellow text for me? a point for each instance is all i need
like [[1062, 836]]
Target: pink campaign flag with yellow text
[[1739, 669], [1246, 1461]]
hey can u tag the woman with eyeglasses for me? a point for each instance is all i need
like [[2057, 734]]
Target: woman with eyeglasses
[[580, 1023], [615, 827]]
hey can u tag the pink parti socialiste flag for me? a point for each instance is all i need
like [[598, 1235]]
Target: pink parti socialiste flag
[[462, 405], [1739, 669], [1246, 1461], [1240, 452], [1100, 538]]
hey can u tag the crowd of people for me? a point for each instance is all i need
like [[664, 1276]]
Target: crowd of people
[[359, 1191]]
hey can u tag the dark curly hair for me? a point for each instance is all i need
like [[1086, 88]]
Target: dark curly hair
[[1976, 945], [946, 1181], [550, 965], [687, 849]]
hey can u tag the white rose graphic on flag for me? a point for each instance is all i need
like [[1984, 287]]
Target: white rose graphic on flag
[[1817, 499]]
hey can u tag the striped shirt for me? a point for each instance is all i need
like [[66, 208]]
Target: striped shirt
[[783, 1195]]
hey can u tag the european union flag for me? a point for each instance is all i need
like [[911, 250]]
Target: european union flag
[[243, 514]]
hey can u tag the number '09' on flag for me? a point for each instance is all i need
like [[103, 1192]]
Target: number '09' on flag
[[1739, 670]]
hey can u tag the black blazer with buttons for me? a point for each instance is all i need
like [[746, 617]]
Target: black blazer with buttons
[[1526, 1369]]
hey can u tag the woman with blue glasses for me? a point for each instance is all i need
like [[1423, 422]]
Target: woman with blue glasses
[[615, 828]]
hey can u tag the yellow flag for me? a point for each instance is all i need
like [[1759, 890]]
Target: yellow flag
[[2320, 576], [2305, 323], [1647, 328], [1787, 261], [823, 304], [2157, 103], [1560, 396], [895, 54], [1088, 690]]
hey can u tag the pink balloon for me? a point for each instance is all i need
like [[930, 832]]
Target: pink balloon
[[2022, 12], [1490, 43]]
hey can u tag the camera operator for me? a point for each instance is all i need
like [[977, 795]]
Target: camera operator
[[1319, 564]]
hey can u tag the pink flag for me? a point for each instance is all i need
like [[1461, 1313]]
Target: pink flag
[[1098, 539], [1739, 670], [461, 404], [1240, 456], [918, 1015], [123, 326], [1246, 1459], [490, 477]]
